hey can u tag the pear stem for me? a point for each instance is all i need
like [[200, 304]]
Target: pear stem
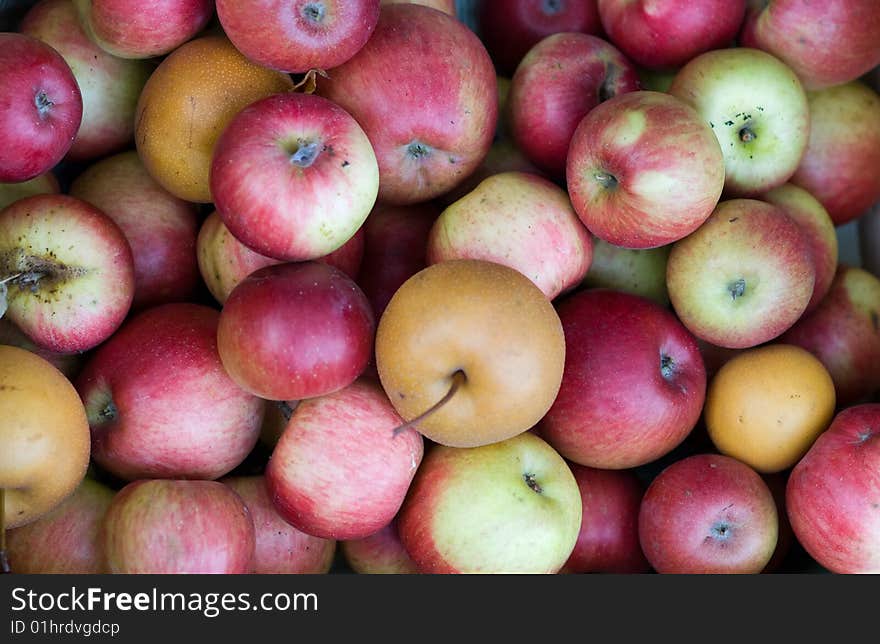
[[4, 561], [457, 381]]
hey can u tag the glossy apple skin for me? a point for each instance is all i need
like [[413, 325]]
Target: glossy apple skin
[[338, 471], [87, 269], [834, 491], [133, 29], [608, 541], [511, 27], [645, 144], [65, 541], [843, 333], [294, 331], [424, 149], [109, 86], [617, 344], [42, 109], [839, 166], [664, 35], [178, 527], [146, 423], [160, 228], [381, 553], [825, 43], [708, 514], [280, 548], [508, 507], [301, 35], [559, 81], [224, 261]]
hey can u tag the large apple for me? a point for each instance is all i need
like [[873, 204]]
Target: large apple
[[510, 507], [160, 404], [520, 220], [424, 147], [301, 35], [833, 493], [68, 269], [110, 86], [708, 514], [627, 160], [560, 80], [293, 176], [757, 108], [470, 351], [826, 43], [744, 277], [639, 271], [42, 107], [633, 385]]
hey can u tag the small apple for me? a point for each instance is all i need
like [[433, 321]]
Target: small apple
[[381, 553]]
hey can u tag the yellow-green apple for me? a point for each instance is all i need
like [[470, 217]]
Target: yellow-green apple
[[511, 27], [844, 333], [160, 404], [110, 86], [67, 363], [66, 540], [656, 80], [744, 277], [295, 330], [559, 81], [178, 527], [423, 147], [339, 470], [280, 548], [708, 514], [224, 261], [640, 271], [41, 110], [818, 229], [833, 493], [132, 29], [520, 220], [668, 33], [470, 351], [510, 507], [68, 269], [843, 154], [294, 176], [757, 108], [301, 35], [43, 184], [608, 541], [160, 228], [629, 158], [633, 386], [381, 553], [826, 43]]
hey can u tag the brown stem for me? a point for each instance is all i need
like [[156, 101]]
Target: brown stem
[[4, 561], [9, 278], [457, 380]]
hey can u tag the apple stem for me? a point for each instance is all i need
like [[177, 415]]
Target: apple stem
[[9, 278], [457, 381], [4, 561]]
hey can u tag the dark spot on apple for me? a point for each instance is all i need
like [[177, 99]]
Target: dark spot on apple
[[532, 483], [345, 164], [728, 123], [667, 366], [314, 12], [606, 89], [417, 150], [402, 395], [737, 288], [712, 125], [732, 219], [759, 108]]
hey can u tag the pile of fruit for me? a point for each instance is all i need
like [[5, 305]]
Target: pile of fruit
[[507, 286]]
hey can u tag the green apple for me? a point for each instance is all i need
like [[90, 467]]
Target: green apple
[[631, 270]]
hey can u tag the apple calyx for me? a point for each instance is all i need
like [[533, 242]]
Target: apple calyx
[[737, 288], [552, 7], [458, 379], [4, 560], [667, 366], [101, 409], [305, 153], [314, 12], [606, 87], [418, 150], [747, 135], [533, 484], [605, 179], [720, 531], [44, 105]]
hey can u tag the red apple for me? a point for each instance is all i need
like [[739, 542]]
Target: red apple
[[42, 107], [559, 81], [667, 34], [294, 331], [381, 553], [633, 385], [511, 27], [160, 228], [178, 527], [293, 176], [300, 35], [280, 548], [644, 170], [424, 147], [339, 470], [833, 493], [708, 514], [160, 404]]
